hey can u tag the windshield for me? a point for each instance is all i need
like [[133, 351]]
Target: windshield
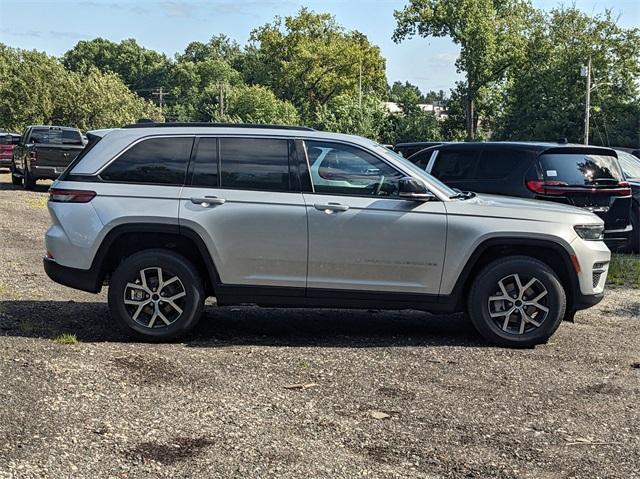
[[630, 164], [415, 171]]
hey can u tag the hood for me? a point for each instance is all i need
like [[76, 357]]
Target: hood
[[494, 206]]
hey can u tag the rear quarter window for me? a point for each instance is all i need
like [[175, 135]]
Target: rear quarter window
[[580, 169], [155, 161]]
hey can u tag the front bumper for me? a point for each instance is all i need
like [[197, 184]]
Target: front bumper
[[584, 301], [82, 279]]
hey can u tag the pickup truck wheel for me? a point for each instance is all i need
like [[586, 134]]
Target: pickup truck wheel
[[15, 179], [517, 301], [156, 295], [28, 180]]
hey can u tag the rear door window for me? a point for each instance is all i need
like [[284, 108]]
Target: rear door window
[[497, 164], [580, 169], [453, 165], [255, 164], [160, 161], [205, 163]]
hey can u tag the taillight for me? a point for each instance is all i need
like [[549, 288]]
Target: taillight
[[547, 187], [34, 154], [558, 188], [70, 196]]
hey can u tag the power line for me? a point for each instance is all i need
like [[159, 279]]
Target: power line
[[160, 93]]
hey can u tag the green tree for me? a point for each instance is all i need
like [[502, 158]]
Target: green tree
[[219, 47], [346, 114], [141, 69], [406, 95], [253, 104], [544, 99], [417, 126], [36, 89], [491, 35], [309, 59]]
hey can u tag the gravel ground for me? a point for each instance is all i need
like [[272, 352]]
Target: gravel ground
[[388, 394]]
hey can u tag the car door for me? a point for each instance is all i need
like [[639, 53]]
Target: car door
[[362, 235], [241, 198]]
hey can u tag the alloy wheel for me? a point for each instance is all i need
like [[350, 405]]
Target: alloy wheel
[[519, 304], [155, 298]]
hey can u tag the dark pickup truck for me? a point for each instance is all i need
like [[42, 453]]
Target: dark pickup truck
[[44, 152]]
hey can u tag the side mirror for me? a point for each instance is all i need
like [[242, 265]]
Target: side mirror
[[413, 189]]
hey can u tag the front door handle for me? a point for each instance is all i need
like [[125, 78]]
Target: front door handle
[[330, 207], [208, 201]]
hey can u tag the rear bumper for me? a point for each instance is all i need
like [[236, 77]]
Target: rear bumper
[[46, 172], [615, 239], [82, 279]]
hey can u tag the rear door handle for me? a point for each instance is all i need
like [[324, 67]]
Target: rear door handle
[[208, 201], [330, 207]]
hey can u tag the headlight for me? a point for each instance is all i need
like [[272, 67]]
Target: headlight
[[590, 232]]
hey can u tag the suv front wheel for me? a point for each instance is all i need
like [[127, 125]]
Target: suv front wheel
[[517, 301], [157, 295]]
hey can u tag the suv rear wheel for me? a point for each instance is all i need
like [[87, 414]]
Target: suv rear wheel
[[157, 295], [517, 301]]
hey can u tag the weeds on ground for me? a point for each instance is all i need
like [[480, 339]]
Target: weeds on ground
[[66, 338], [624, 270], [37, 202]]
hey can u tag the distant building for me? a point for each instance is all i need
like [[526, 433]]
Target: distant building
[[439, 110]]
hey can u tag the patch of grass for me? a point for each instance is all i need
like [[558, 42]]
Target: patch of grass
[[37, 202], [624, 270], [66, 338]]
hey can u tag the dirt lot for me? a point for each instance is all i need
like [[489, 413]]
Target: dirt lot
[[216, 405]]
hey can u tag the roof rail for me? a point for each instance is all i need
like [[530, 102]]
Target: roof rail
[[150, 124]]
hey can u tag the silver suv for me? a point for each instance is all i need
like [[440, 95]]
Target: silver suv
[[168, 214]]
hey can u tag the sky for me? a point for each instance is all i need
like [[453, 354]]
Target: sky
[[169, 26]]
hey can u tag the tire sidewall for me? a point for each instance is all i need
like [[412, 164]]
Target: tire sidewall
[[170, 263], [485, 285]]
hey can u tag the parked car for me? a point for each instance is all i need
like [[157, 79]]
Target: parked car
[[408, 149], [43, 152], [630, 166], [168, 214], [585, 176], [8, 141]]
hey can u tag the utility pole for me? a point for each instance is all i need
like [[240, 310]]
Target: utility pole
[[221, 102], [360, 87], [586, 71], [160, 93]]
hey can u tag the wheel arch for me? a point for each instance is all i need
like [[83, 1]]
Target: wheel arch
[[124, 240], [549, 252]]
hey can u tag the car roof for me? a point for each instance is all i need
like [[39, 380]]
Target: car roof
[[537, 147], [115, 140]]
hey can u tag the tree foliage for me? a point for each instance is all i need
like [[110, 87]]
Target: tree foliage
[[491, 35], [36, 89], [309, 60], [544, 99]]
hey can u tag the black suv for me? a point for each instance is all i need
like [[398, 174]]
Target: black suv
[[585, 176], [408, 149]]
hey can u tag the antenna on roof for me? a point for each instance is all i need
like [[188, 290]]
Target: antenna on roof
[[563, 141], [145, 120]]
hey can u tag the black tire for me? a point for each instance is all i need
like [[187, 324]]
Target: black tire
[[635, 234], [486, 286], [29, 181], [172, 265], [15, 179]]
